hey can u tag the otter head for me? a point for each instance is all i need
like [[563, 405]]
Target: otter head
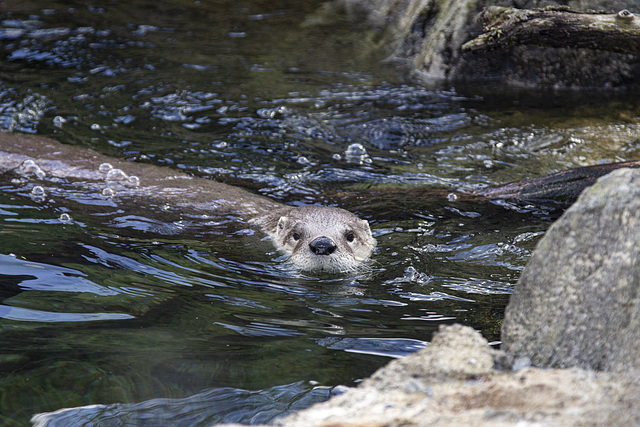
[[321, 238]]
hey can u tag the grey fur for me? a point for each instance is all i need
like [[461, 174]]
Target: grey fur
[[59, 167]]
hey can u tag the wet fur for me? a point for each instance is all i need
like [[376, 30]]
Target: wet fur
[[76, 169], [292, 230]]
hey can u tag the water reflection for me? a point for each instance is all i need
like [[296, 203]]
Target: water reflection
[[223, 405], [29, 275], [389, 347], [26, 315]]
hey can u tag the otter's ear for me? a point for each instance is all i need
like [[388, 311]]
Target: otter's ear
[[365, 225], [284, 223]]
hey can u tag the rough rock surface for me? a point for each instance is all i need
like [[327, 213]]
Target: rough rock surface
[[428, 34], [453, 382], [578, 300]]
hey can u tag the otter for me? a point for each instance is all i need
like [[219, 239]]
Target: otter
[[315, 238], [320, 238]]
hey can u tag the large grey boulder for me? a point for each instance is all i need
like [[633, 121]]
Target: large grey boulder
[[578, 302]]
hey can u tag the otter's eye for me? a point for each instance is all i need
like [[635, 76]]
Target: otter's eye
[[296, 236], [350, 237]]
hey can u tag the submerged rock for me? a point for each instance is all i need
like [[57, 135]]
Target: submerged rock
[[578, 302], [453, 382], [455, 353]]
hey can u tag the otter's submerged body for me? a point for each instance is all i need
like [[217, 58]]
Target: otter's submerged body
[[315, 238]]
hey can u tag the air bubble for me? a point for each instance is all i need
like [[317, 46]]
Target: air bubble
[[105, 167], [108, 192], [134, 180], [58, 121], [116, 175], [38, 193], [356, 153], [65, 217], [355, 150], [221, 145]]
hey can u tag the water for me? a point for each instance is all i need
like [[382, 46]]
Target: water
[[122, 315]]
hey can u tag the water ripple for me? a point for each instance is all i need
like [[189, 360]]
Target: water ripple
[[213, 406], [28, 315], [45, 277]]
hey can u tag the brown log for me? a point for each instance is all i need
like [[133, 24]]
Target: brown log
[[561, 187], [558, 28], [556, 192]]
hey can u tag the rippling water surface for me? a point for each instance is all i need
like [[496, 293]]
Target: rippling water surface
[[160, 317]]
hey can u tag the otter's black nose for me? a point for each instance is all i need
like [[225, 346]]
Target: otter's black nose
[[322, 246]]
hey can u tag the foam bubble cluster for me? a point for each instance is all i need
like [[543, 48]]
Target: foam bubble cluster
[[116, 177], [30, 167]]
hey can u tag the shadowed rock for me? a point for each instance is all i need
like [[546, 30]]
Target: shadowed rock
[[428, 36]]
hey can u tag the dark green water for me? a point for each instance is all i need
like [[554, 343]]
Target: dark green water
[[174, 320]]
